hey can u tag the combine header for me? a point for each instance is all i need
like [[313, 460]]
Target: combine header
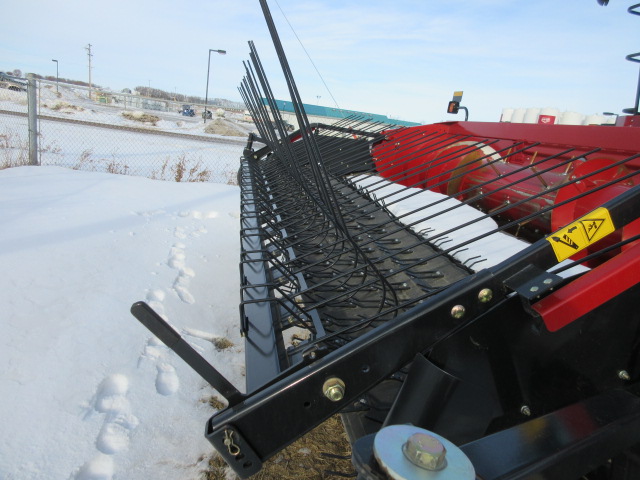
[[464, 294]]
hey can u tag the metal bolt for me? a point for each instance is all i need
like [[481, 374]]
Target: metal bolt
[[457, 311], [333, 389], [624, 375], [534, 289], [548, 281], [425, 451], [525, 410], [485, 295]]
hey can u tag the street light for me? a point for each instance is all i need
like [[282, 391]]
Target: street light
[[57, 77], [206, 95]]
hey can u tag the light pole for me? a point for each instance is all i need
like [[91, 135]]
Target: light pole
[[57, 76], [206, 95]]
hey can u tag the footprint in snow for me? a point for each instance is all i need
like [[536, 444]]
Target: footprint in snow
[[98, 468], [110, 399], [179, 233], [115, 433], [167, 381]]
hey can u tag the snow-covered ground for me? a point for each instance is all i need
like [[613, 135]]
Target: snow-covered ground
[[86, 392], [73, 103]]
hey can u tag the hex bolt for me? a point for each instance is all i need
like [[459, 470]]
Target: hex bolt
[[333, 389], [425, 451], [525, 410], [624, 375], [457, 311], [485, 295]]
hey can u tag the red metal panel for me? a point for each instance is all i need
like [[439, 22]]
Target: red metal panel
[[591, 290]]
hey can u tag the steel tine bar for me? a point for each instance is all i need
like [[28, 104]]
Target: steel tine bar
[[515, 222], [313, 154], [420, 298]]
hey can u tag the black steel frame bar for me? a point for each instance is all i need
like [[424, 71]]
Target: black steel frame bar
[[298, 402]]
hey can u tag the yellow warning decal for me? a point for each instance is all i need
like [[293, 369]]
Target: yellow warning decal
[[580, 234]]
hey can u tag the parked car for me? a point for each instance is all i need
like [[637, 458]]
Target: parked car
[[187, 111], [207, 114], [12, 83]]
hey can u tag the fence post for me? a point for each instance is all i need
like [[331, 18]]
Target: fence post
[[32, 109]]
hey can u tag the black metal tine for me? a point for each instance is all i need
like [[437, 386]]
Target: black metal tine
[[318, 171], [504, 227]]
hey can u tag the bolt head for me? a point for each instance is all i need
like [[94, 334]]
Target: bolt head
[[624, 375], [334, 389], [425, 451], [457, 311], [485, 295], [525, 410]]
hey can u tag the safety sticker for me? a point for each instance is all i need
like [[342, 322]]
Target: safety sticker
[[580, 234]]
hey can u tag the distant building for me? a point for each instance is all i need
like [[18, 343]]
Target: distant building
[[332, 114]]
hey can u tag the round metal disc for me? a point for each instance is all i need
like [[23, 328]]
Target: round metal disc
[[387, 448]]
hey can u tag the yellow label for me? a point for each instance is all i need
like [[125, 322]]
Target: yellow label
[[580, 234]]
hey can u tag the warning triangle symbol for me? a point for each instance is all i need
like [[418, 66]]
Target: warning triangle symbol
[[591, 226]]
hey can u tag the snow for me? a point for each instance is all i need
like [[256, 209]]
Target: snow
[[87, 392], [84, 147]]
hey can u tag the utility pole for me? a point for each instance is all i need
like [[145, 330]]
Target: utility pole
[[89, 54]]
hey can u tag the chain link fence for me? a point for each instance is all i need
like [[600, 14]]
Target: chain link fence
[[87, 129]]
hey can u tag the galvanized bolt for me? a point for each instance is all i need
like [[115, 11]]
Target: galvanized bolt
[[425, 451], [534, 289], [485, 295], [457, 311], [333, 389], [525, 410], [624, 375], [548, 281]]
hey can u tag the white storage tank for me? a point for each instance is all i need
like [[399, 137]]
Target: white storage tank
[[594, 119], [571, 118], [518, 115], [531, 115], [507, 113]]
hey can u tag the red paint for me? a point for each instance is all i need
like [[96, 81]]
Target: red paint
[[591, 290], [446, 158]]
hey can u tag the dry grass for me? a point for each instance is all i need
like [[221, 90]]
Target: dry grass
[[182, 170], [222, 343], [13, 151], [305, 459], [65, 107], [218, 126], [19, 98], [141, 117]]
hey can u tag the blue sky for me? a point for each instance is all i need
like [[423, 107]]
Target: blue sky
[[403, 58]]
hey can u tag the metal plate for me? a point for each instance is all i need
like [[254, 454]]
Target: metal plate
[[388, 451]]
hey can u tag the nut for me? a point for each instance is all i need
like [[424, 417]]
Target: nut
[[333, 389], [457, 311], [485, 295], [425, 451], [624, 375]]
